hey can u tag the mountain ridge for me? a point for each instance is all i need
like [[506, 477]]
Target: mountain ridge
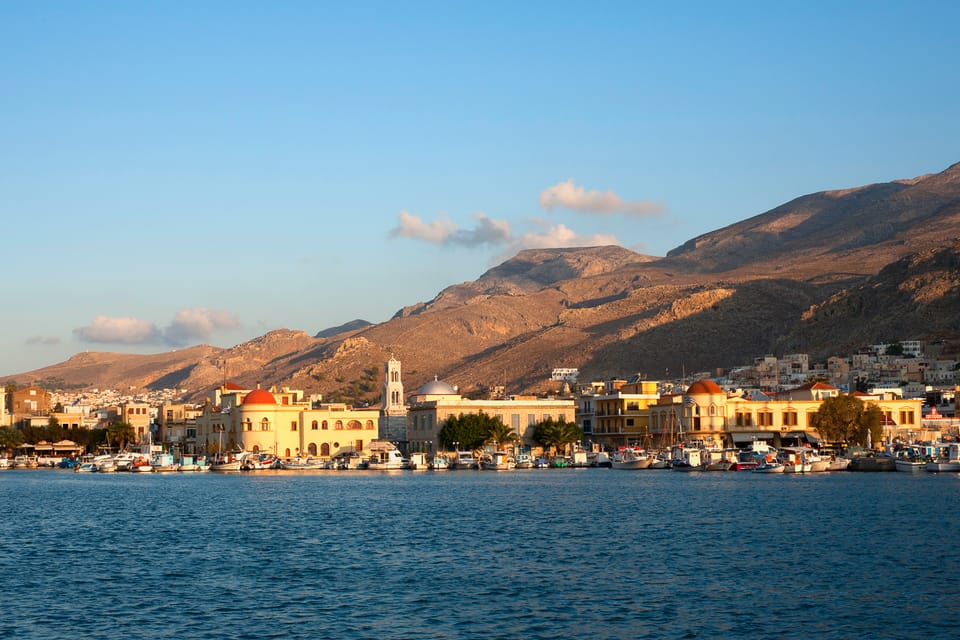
[[790, 279]]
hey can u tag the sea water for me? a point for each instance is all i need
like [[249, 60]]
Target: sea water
[[474, 554]]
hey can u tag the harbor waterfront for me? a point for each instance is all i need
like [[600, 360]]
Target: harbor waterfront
[[534, 554]]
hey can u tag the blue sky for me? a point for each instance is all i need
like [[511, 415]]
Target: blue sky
[[203, 172]]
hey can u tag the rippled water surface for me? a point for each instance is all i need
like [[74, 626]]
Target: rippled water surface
[[532, 554]]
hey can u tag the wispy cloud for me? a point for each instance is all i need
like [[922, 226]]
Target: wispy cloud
[[43, 340], [556, 236], [567, 195], [119, 330], [198, 324], [188, 326], [443, 231]]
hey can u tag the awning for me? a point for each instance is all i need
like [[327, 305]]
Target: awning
[[801, 435], [750, 436]]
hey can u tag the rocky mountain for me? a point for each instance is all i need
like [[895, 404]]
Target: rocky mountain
[[823, 274]]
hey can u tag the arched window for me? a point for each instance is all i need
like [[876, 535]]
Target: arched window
[[338, 424], [314, 425], [325, 425], [325, 449], [354, 424], [369, 424], [247, 425], [264, 425], [312, 449], [286, 453], [256, 448]]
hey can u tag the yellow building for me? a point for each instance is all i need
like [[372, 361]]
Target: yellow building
[[622, 417], [283, 423], [436, 401], [706, 413]]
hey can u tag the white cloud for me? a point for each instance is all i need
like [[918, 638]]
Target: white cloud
[[555, 237], [119, 330], [567, 195], [411, 226], [189, 326], [198, 323], [445, 232]]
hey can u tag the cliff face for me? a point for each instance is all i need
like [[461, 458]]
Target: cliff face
[[824, 273]]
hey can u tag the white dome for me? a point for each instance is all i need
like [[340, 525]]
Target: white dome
[[436, 388]]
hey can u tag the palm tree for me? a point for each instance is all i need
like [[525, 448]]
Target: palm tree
[[499, 433], [121, 433], [556, 434]]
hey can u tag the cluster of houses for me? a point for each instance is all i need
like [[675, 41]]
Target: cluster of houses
[[614, 413]]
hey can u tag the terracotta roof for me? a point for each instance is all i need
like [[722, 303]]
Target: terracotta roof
[[231, 386], [259, 396], [704, 387]]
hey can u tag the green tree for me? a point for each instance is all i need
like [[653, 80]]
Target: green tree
[[10, 438], [470, 430], [556, 434], [500, 433], [120, 433], [847, 419]]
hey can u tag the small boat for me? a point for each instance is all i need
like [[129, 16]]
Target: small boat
[[227, 462], [631, 458], [559, 462], [910, 460], [141, 465], [348, 460], [385, 457], [541, 463], [769, 467], [418, 461], [303, 464], [598, 459], [948, 459], [465, 460], [4, 463], [85, 467], [440, 463], [498, 461], [524, 461]]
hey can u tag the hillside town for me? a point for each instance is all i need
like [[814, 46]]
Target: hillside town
[[773, 401]]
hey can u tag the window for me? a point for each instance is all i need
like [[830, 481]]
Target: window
[[325, 449], [323, 425], [789, 418], [744, 419], [354, 424], [313, 425], [293, 425], [338, 425], [247, 425], [765, 418], [369, 424], [906, 417], [264, 425]]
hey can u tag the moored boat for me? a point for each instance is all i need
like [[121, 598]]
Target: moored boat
[[498, 461], [385, 457], [630, 458]]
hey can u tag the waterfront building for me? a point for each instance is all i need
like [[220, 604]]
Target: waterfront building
[[621, 416], [436, 401], [283, 423], [27, 403], [706, 413], [137, 415], [177, 423]]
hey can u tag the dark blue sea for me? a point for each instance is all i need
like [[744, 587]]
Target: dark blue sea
[[592, 553]]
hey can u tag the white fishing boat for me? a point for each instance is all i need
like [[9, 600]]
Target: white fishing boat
[[384, 456], [465, 460], [418, 461], [4, 463], [498, 461], [141, 465], [303, 464], [440, 462], [948, 458], [226, 462], [524, 461], [629, 458], [769, 467]]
